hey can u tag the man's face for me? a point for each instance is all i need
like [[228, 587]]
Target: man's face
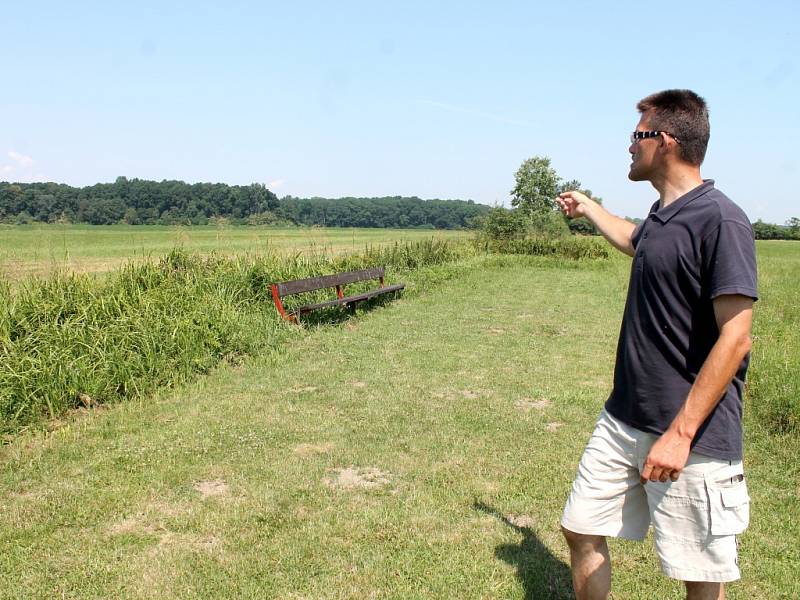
[[644, 154]]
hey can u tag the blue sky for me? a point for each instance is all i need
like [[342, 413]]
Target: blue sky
[[434, 99]]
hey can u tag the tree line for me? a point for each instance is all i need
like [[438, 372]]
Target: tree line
[[143, 202], [383, 212], [770, 231]]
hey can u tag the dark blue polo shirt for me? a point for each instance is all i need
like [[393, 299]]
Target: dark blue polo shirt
[[697, 248]]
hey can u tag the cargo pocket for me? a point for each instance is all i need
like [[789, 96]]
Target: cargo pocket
[[729, 505]]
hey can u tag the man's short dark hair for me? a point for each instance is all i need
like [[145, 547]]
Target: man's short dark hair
[[683, 114]]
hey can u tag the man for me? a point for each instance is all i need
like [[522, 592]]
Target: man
[[667, 447]]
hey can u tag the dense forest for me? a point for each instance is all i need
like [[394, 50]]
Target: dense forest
[[141, 202]]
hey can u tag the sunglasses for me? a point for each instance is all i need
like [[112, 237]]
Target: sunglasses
[[643, 135]]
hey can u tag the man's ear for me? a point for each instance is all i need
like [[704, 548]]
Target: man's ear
[[669, 145]]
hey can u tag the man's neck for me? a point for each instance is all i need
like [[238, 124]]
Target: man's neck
[[676, 182]]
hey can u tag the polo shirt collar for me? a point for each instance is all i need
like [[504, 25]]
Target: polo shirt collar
[[665, 214]]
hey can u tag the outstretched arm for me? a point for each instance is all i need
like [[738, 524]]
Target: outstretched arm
[[617, 231], [668, 456]]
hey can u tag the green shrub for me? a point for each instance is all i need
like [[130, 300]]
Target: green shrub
[[501, 224]]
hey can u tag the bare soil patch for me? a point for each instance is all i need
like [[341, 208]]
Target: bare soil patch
[[354, 478], [213, 487], [148, 518], [555, 426], [520, 520], [136, 524]]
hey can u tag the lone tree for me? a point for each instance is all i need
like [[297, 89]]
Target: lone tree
[[533, 197], [537, 186]]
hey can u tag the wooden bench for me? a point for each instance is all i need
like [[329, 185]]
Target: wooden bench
[[338, 281]]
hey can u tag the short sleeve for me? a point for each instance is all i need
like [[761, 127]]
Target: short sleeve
[[729, 260]]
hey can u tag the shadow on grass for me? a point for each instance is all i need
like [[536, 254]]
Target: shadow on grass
[[340, 314], [543, 576]]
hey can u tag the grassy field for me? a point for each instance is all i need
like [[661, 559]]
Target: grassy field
[[421, 450], [774, 385], [41, 249]]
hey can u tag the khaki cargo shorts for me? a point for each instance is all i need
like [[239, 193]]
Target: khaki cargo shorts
[[695, 519]]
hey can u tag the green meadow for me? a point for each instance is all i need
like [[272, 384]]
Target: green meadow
[[422, 448], [42, 249]]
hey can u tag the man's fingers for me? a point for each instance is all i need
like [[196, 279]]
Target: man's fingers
[[566, 207], [651, 473], [646, 473]]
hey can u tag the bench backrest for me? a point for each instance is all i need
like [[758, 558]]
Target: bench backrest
[[299, 286]]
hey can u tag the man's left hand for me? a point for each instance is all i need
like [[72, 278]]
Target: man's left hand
[[666, 458]]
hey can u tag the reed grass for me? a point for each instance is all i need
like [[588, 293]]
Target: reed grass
[[567, 247], [71, 339]]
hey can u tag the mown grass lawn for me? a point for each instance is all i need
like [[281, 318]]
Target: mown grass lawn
[[421, 450], [40, 249]]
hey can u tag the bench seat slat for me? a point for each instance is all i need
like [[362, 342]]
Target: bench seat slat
[[349, 299], [287, 288]]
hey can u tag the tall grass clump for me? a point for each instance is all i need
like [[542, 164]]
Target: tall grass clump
[[413, 255], [568, 247], [72, 339]]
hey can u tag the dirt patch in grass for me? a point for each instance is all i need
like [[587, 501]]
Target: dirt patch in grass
[[358, 384], [25, 496], [136, 524], [147, 520], [354, 478], [520, 520], [552, 427], [127, 525], [212, 487]]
